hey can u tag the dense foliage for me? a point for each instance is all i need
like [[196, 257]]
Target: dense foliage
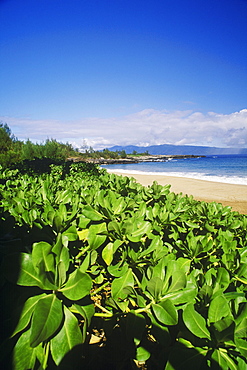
[[13, 151], [100, 272]]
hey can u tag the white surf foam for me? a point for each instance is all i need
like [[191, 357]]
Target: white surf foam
[[191, 175]]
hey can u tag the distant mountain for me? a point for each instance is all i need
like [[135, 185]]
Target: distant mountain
[[179, 149]]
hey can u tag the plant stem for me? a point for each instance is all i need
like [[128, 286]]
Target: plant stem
[[47, 349], [103, 309], [96, 291], [82, 252]]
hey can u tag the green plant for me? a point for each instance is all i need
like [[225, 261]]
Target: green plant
[[151, 276]]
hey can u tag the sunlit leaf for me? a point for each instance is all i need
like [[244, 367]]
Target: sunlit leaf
[[219, 360], [67, 338], [218, 308], [77, 286], [178, 281], [229, 361], [107, 253], [165, 312], [119, 283], [41, 252], [71, 233], [91, 213], [47, 317], [155, 286], [195, 322]]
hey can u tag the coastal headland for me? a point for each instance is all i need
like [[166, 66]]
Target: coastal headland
[[136, 159]]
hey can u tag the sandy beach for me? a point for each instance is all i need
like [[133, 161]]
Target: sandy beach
[[231, 195]]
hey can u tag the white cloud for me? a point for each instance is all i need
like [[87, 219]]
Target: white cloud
[[147, 127]]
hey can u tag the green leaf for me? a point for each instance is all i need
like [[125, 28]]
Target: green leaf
[[218, 308], [142, 354], [96, 235], [155, 244], [42, 253], [24, 272], [57, 223], [91, 213], [155, 286], [47, 317], [114, 226], [241, 329], [178, 281], [118, 270], [71, 233], [61, 241], [107, 253], [119, 206], [67, 338], [61, 273], [143, 228], [184, 264], [195, 322], [78, 285], [242, 363], [86, 262], [165, 312], [64, 257], [224, 324], [26, 313], [24, 356], [241, 346], [222, 279], [185, 295], [120, 283], [218, 359], [87, 313], [229, 361]]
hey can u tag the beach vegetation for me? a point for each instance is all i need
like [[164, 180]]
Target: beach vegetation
[[14, 151], [137, 154], [98, 271]]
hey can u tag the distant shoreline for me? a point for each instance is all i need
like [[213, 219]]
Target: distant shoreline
[[140, 159], [231, 195]]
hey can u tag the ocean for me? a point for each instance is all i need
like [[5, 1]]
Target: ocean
[[231, 169]]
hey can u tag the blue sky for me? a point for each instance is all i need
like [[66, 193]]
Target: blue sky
[[109, 72]]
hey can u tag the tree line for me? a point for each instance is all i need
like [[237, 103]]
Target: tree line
[[14, 151]]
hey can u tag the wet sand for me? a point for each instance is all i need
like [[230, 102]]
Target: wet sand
[[231, 195]]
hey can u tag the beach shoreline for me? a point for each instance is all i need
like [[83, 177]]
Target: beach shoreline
[[231, 195]]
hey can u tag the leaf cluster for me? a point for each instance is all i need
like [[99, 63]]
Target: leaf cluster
[[144, 275]]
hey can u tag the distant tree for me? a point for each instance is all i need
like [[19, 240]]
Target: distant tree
[[134, 152], [8, 158], [122, 154], [29, 151], [54, 150], [8, 154], [12, 150], [7, 139]]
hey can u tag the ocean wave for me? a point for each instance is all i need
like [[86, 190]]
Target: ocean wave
[[191, 175]]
